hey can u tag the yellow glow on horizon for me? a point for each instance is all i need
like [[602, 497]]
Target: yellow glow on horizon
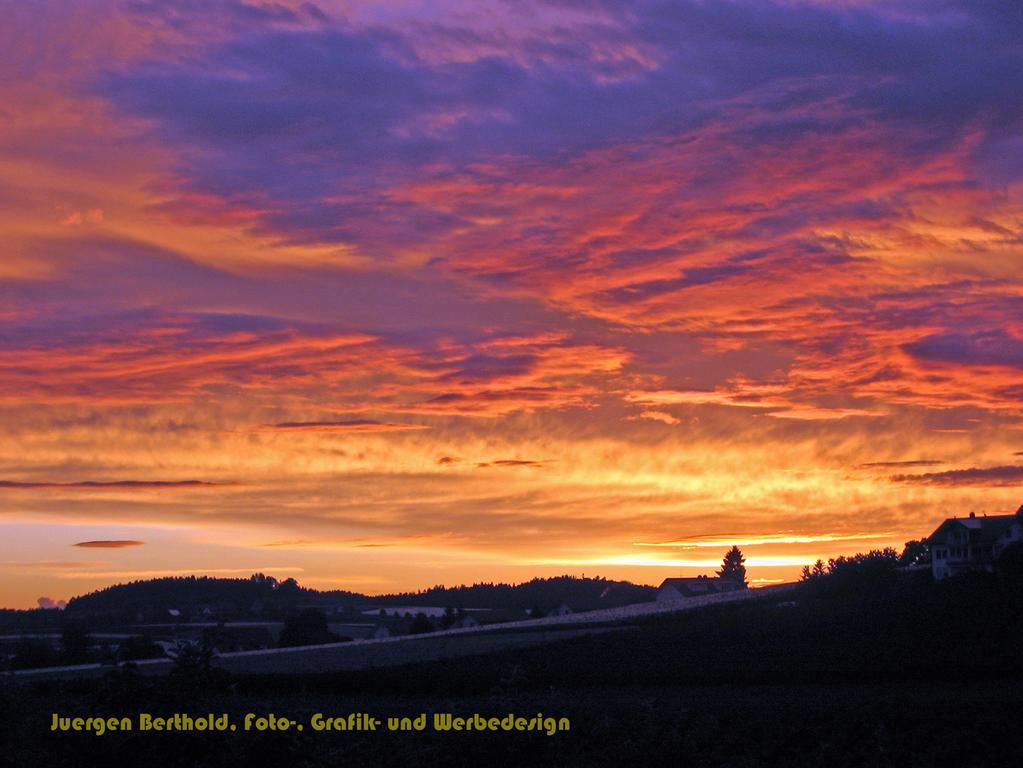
[[650, 562], [776, 538]]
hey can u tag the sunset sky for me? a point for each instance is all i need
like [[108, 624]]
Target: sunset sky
[[387, 294]]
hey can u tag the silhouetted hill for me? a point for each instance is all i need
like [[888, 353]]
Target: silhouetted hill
[[195, 597], [863, 665], [579, 594]]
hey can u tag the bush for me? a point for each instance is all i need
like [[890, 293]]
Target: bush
[[307, 627], [76, 645], [875, 572], [138, 647], [421, 624], [193, 673], [1010, 562], [31, 653]]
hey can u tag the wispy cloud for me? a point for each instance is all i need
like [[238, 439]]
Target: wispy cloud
[[355, 425], [685, 266], [719, 541], [109, 543], [988, 476], [511, 463], [138, 485], [907, 463], [157, 573]]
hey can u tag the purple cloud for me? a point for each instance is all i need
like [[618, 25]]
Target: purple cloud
[[989, 476], [982, 348], [312, 124]]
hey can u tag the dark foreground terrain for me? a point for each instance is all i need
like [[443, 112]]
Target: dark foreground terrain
[[875, 669]]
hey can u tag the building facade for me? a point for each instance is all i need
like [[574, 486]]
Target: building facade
[[962, 544]]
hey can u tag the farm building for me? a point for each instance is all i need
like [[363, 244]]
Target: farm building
[[672, 590]]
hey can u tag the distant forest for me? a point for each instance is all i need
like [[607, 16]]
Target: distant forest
[[546, 594], [265, 595]]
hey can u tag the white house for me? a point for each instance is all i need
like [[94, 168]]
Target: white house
[[972, 543], [672, 590]]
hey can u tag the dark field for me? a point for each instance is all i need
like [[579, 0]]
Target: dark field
[[865, 674]]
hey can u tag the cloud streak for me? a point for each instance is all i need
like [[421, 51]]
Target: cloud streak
[[109, 544], [989, 476], [353, 425], [100, 485]]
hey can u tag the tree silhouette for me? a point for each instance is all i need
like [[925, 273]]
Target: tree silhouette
[[193, 673], [30, 652], [448, 618], [75, 643], [421, 624], [816, 572], [1010, 562], [307, 627], [733, 566], [915, 553], [138, 647]]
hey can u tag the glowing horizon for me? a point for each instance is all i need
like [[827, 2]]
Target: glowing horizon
[[385, 295]]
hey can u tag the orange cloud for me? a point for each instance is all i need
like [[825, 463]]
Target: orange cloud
[[353, 425], [713, 295], [101, 485]]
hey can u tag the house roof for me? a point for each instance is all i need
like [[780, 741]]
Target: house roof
[[981, 530], [698, 585], [682, 582]]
